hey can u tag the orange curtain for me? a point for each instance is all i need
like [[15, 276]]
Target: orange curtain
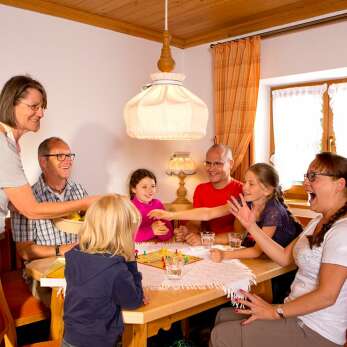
[[236, 74]]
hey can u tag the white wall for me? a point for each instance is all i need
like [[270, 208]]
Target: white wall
[[306, 55], [89, 74]]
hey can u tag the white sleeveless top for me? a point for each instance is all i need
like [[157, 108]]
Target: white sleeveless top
[[330, 322]]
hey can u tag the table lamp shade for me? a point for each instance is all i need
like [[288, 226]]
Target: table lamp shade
[[181, 162], [181, 165], [166, 111]]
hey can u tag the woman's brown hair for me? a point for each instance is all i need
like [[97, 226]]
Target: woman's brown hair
[[16, 88], [334, 165]]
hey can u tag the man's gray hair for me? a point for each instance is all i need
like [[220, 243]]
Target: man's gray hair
[[227, 153], [46, 145]]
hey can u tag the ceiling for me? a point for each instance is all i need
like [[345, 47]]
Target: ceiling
[[191, 22]]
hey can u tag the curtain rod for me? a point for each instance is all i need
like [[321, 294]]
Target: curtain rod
[[286, 29]]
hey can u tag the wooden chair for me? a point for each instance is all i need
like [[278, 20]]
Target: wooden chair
[[24, 307], [8, 329]]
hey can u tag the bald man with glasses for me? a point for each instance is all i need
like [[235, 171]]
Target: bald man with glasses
[[40, 238], [216, 192]]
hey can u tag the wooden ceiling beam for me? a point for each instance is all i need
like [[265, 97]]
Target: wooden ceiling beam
[[91, 19], [301, 10]]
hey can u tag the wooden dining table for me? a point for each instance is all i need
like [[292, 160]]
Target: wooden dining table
[[165, 306]]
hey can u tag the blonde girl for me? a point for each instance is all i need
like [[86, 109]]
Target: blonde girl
[[101, 274]]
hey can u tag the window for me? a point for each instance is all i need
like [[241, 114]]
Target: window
[[306, 119]]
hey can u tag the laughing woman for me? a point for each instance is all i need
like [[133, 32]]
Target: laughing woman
[[314, 313], [22, 104]]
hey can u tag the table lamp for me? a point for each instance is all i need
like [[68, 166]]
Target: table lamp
[[181, 165]]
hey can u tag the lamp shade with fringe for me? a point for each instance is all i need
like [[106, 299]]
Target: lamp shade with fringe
[[166, 111]]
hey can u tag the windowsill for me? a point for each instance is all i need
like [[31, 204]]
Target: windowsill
[[297, 203], [301, 209]]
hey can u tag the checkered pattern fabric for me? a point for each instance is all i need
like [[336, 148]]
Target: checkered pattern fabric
[[43, 231]]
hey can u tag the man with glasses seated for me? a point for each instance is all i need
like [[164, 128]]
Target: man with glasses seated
[[216, 192], [40, 238]]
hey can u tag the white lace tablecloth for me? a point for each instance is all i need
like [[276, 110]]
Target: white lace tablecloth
[[229, 275]]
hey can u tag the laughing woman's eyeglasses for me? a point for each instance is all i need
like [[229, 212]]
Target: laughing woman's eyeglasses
[[61, 156], [311, 176]]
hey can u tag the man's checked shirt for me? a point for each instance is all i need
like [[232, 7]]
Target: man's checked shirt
[[43, 231]]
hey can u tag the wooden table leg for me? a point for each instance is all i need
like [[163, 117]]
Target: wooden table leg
[[264, 290], [135, 335], [185, 327], [57, 312]]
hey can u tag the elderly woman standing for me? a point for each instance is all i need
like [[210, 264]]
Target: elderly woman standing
[[315, 312], [22, 104]]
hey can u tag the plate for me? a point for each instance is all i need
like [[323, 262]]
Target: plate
[[68, 225]]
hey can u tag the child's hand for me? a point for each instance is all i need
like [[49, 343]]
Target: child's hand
[[216, 255], [159, 228], [240, 209], [180, 233], [161, 214]]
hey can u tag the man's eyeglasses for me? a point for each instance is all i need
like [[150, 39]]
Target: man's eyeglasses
[[61, 156], [311, 176], [33, 108], [213, 163]]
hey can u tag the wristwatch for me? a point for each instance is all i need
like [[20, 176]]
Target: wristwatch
[[57, 250], [280, 312]]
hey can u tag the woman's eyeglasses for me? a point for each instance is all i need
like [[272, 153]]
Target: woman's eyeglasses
[[33, 108], [62, 156], [311, 176]]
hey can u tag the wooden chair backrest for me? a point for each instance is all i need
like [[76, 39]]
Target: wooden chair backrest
[[3, 326], [9, 330]]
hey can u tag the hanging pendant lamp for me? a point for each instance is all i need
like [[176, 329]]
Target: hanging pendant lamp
[[165, 110]]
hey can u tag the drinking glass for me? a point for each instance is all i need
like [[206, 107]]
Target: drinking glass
[[207, 239], [174, 267], [236, 240]]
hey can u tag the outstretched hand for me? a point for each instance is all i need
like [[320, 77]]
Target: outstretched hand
[[241, 211], [256, 307], [161, 214]]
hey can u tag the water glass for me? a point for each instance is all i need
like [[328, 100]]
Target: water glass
[[236, 240], [174, 267], [207, 239]]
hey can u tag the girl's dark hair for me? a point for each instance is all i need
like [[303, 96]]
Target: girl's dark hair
[[15, 89], [336, 165], [268, 176], [137, 176]]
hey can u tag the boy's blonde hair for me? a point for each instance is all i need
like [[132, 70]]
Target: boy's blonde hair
[[109, 227]]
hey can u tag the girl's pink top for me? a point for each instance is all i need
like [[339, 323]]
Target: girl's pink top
[[145, 231]]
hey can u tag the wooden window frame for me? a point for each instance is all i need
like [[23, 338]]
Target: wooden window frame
[[297, 192]]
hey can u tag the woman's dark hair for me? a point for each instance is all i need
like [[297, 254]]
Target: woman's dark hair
[[137, 176], [336, 165], [268, 176], [15, 89]]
